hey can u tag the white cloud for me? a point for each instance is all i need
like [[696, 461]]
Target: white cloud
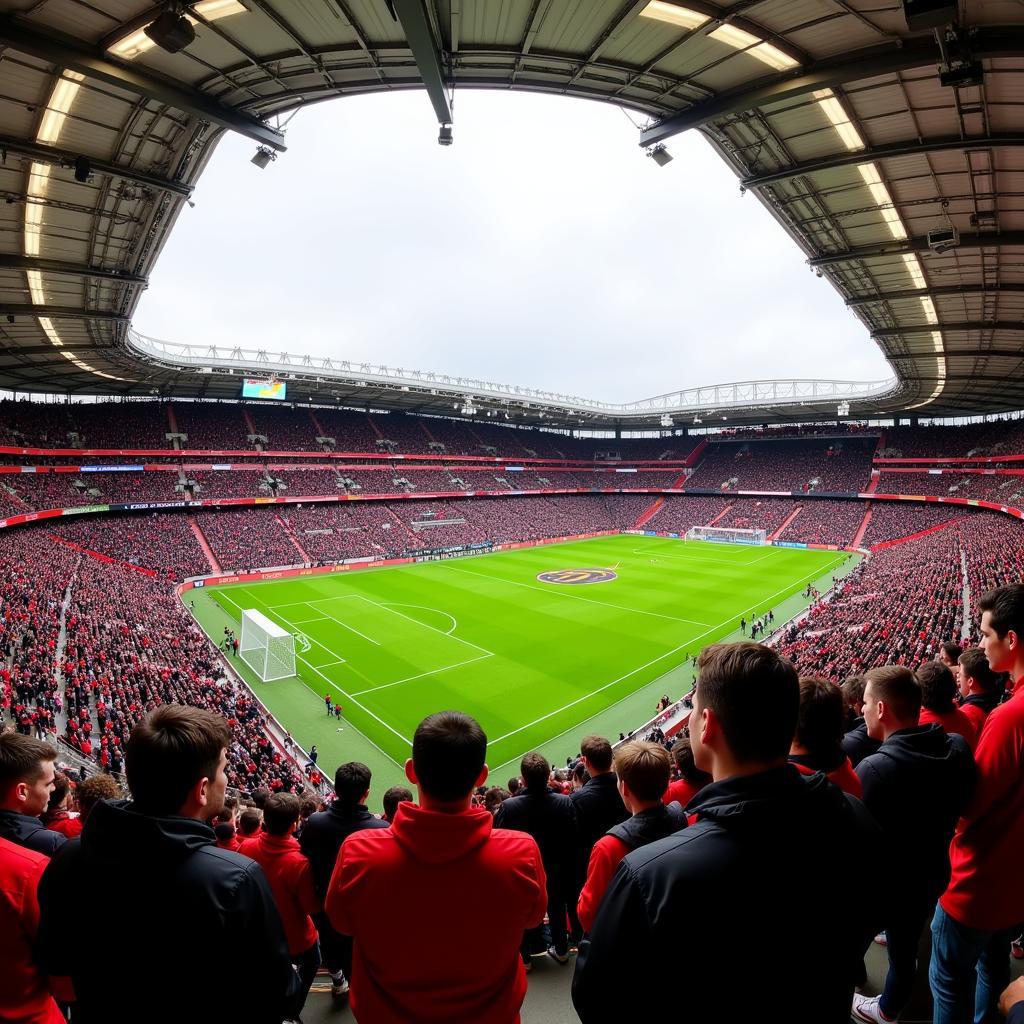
[[542, 249]]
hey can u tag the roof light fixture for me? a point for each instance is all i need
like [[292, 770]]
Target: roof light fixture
[[836, 113], [171, 30], [61, 98], [681, 17], [660, 155], [913, 265], [766, 53], [138, 41], [264, 157], [869, 172]]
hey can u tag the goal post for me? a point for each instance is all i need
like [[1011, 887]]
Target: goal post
[[265, 647], [726, 535]]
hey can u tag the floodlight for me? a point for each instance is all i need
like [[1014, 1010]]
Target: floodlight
[[660, 155], [264, 156], [843, 409], [444, 136], [82, 168], [171, 31], [667, 421]]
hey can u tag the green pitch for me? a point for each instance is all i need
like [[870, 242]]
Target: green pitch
[[532, 661]]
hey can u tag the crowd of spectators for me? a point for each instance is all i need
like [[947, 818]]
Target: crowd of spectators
[[757, 514], [826, 522], [241, 483], [1000, 437], [247, 538], [1004, 488], [891, 520]]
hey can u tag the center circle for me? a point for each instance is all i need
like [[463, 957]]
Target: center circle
[[578, 577]]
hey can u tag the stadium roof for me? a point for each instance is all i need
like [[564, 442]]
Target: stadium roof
[[894, 159]]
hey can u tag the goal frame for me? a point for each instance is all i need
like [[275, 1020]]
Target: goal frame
[[267, 648], [727, 535]]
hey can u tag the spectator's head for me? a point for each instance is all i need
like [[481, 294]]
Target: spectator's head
[[309, 806], [1002, 628], [596, 752], [61, 790], [26, 773], [819, 722], [938, 687], [281, 814], [175, 762], [351, 785], [448, 753], [975, 676], [852, 690], [643, 771], [249, 822], [93, 790], [892, 700], [949, 654], [494, 798], [744, 709], [682, 755], [514, 784], [535, 772], [259, 796], [392, 798]]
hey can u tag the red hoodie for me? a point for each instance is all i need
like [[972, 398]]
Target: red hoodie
[[437, 905], [952, 721], [986, 888], [681, 792], [291, 882], [844, 777], [23, 993]]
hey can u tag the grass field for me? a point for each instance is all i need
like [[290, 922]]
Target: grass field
[[531, 660]]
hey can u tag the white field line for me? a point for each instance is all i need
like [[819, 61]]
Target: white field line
[[427, 608], [441, 632], [660, 553], [661, 657], [563, 593], [306, 622], [351, 629], [422, 675]]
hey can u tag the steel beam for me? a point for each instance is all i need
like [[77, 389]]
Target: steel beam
[[66, 158], [412, 16], [13, 261], [909, 148], [915, 245], [999, 352], [902, 55], [944, 291], [61, 312], [67, 52], [966, 325]]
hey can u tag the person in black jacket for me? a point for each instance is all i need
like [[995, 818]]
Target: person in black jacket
[[26, 781], [189, 914], [916, 786], [551, 819], [321, 839], [768, 844], [857, 744]]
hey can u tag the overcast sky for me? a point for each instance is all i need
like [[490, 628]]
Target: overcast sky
[[543, 249]]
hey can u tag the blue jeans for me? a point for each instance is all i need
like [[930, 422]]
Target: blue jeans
[[968, 971], [306, 965]]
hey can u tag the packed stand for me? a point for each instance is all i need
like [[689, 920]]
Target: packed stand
[[240, 483], [826, 522], [757, 514], [891, 520], [286, 429], [247, 538], [681, 512], [212, 426], [1000, 437]]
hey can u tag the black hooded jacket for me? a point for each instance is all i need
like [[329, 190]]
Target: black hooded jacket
[[551, 819], [917, 786], [773, 850], [598, 807], [196, 934], [323, 834], [857, 744], [30, 833], [646, 826]]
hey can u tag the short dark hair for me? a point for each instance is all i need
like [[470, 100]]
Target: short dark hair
[[952, 650], [61, 788], [535, 771], [598, 751], [22, 759], [682, 754], [280, 813], [897, 687], [513, 785], [351, 782], [755, 695], [495, 797], [852, 689], [169, 751], [249, 821], [819, 720], [448, 753], [393, 797], [259, 796], [94, 789], [938, 687], [644, 767], [976, 667], [1005, 606]]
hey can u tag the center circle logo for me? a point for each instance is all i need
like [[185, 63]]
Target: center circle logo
[[578, 576]]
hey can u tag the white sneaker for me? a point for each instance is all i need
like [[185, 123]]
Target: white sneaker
[[867, 1008], [339, 985], [881, 939]]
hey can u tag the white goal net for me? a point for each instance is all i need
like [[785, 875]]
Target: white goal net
[[725, 535], [265, 647]]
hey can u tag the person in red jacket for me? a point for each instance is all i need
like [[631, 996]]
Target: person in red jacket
[[57, 817], [642, 770], [440, 879], [984, 901], [938, 702], [691, 781], [276, 850], [979, 687], [818, 743], [23, 993]]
